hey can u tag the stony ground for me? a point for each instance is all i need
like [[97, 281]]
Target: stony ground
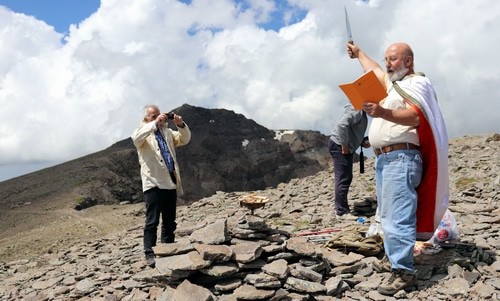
[[31, 230], [33, 236]]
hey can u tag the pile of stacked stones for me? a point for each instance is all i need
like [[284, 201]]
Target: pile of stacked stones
[[254, 262]]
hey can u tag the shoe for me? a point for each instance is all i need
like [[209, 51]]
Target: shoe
[[398, 281], [150, 260], [381, 266]]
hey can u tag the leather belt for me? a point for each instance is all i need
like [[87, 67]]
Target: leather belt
[[394, 147]]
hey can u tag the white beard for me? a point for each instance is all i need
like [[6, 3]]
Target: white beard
[[398, 74]]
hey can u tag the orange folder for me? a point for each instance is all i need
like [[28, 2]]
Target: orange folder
[[367, 88]]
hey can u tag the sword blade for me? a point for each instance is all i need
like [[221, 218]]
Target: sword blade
[[348, 27]]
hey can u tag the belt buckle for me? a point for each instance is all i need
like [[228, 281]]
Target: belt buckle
[[380, 150], [385, 149]]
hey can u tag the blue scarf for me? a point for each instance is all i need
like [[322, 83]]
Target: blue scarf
[[165, 153]]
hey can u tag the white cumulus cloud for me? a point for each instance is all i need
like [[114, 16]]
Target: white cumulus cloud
[[64, 97]]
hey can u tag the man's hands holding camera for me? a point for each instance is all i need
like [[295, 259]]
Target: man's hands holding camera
[[164, 117]]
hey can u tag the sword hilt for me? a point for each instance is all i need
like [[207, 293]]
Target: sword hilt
[[351, 55]]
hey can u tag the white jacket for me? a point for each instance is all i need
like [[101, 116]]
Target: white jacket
[[154, 172]]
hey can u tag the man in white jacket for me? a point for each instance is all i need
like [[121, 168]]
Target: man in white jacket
[[155, 143]]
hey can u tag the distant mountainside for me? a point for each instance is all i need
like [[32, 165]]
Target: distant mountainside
[[227, 152]]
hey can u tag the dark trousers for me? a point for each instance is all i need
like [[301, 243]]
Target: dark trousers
[[342, 171], [159, 202]]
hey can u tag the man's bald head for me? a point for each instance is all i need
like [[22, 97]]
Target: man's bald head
[[399, 60]]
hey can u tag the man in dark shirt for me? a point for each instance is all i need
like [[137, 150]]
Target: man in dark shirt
[[347, 136]]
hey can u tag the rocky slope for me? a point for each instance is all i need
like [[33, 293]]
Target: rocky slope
[[223, 252]]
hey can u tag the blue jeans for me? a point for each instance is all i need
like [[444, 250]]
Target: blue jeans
[[398, 173]]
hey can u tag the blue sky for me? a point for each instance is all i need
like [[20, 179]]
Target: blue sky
[[68, 92], [62, 13], [58, 13]]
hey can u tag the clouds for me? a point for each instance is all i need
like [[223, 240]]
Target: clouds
[[61, 99]]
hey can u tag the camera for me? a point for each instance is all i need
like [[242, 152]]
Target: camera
[[170, 115]]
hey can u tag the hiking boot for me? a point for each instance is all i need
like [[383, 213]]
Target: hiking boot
[[383, 265], [398, 281], [150, 260]]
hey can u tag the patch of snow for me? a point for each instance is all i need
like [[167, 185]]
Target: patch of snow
[[280, 133]]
